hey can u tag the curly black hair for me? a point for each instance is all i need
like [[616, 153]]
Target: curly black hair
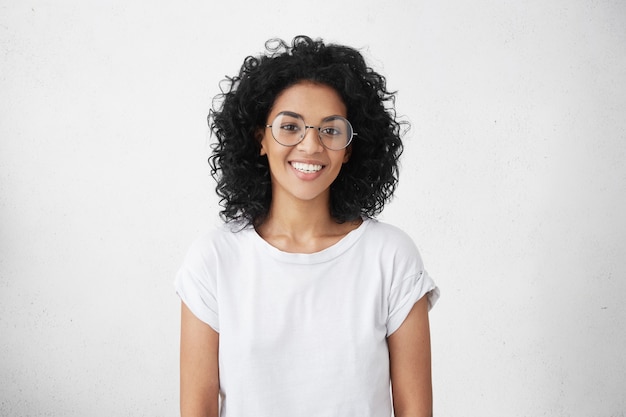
[[364, 184]]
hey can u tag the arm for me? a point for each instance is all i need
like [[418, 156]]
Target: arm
[[409, 356], [199, 377]]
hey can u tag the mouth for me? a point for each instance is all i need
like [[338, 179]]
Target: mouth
[[306, 168]]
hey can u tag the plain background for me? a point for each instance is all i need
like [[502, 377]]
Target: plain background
[[513, 186]]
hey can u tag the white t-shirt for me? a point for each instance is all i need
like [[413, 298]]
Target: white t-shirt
[[304, 334]]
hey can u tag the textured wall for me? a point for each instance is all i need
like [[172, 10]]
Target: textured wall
[[513, 186]]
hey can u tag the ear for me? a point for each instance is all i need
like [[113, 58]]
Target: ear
[[346, 156], [258, 136]]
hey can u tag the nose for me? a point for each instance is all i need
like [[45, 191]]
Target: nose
[[311, 142]]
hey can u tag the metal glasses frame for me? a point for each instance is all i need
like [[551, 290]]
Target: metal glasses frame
[[318, 128]]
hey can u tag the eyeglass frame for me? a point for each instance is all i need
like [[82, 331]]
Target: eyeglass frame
[[318, 128]]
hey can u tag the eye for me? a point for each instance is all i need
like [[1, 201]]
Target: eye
[[290, 127], [330, 131]]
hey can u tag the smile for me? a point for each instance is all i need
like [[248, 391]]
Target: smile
[[306, 168]]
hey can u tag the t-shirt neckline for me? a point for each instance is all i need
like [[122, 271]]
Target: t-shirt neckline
[[324, 255]]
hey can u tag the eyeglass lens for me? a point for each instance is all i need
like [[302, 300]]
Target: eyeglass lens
[[335, 132]]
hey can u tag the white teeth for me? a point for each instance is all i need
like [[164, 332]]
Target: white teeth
[[306, 168]]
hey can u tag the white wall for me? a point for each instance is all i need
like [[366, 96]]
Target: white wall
[[513, 186]]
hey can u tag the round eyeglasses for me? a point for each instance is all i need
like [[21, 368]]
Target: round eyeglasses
[[334, 132]]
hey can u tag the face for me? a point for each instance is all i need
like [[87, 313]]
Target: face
[[304, 171]]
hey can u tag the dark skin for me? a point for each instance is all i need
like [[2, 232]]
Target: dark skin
[[299, 220]]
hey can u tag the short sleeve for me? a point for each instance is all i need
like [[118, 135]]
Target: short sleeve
[[195, 284], [406, 293]]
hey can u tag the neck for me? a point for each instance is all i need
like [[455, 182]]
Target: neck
[[305, 219], [302, 226]]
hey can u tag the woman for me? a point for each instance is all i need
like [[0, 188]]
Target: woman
[[302, 304]]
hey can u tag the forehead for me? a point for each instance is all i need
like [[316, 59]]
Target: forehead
[[310, 100]]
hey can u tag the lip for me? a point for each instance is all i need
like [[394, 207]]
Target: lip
[[308, 161], [308, 176]]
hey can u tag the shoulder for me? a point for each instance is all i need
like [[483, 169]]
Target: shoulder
[[218, 241], [391, 244], [388, 234]]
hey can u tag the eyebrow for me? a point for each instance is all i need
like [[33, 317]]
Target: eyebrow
[[294, 114], [290, 113]]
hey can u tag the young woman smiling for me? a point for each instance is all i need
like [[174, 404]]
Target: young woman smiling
[[303, 304]]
